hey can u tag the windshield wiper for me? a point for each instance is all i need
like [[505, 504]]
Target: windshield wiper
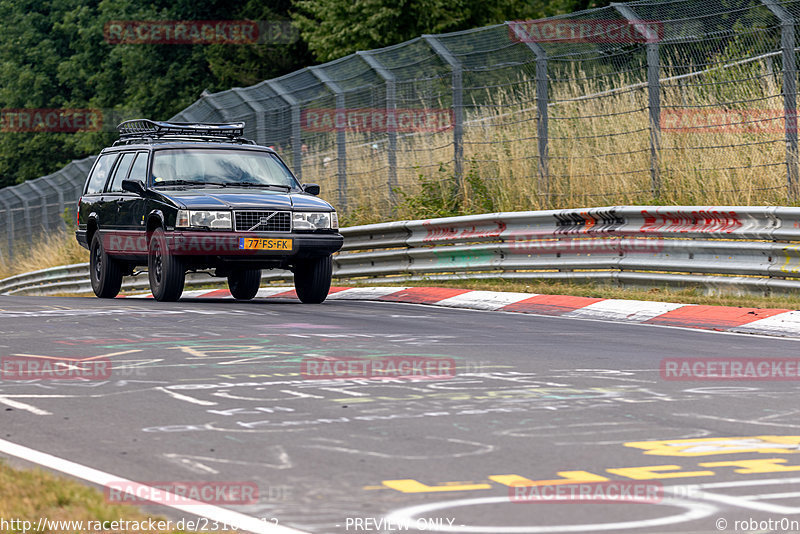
[[186, 182], [256, 184]]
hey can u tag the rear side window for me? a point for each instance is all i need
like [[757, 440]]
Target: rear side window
[[99, 175], [122, 171], [139, 169]]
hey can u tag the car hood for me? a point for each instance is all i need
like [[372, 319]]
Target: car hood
[[245, 199]]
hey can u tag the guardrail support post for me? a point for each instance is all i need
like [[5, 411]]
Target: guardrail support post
[[789, 93], [458, 104], [341, 133], [297, 140], [391, 106], [653, 93]]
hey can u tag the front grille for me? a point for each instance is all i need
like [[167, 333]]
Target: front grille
[[263, 221]]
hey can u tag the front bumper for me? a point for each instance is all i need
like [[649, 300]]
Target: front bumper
[[230, 245]]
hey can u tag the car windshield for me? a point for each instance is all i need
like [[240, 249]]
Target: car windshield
[[198, 166]]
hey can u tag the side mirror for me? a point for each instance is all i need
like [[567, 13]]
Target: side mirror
[[133, 186], [311, 189]]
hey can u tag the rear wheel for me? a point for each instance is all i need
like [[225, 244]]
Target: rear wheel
[[244, 284], [105, 272], [312, 279], [166, 271]]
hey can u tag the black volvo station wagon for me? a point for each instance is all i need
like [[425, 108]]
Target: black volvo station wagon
[[178, 197]]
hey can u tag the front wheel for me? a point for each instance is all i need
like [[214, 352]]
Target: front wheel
[[166, 271], [244, 284], [105, 272], [312, 279]]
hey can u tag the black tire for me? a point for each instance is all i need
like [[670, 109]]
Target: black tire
[[166, 271], [312, 279], [244, 284], [105, 272]]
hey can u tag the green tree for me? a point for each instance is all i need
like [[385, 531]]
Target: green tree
[[336, 28]]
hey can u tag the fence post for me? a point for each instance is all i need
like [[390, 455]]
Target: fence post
[[653, 92], [789, 93], [258, 114], [458, 103], [391, 105], [341, 133], [26, 208], [542, 89], [43, 197], [46, 180], [9, 228], [297, 140]]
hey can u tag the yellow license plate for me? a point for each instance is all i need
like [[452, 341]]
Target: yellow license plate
[[260, 243]]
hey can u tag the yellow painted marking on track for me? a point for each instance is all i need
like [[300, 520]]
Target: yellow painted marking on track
[[412, 486], [651, 472], [712, 446], [763, 465], [568, 477]]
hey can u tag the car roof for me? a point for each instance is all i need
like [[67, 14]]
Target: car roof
[[187, 144]]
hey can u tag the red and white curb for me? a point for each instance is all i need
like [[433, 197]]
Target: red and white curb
[[766, 321]]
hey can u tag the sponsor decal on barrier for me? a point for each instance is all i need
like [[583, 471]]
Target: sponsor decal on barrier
[[690, 221], [376, 120], [371, 368], [587, 222], [444, 232], [586, 31], [729, 369], [182, 492]]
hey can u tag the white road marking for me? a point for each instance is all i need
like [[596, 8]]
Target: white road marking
[[22, 406], [95, 476], [186, 398], [407, 518]]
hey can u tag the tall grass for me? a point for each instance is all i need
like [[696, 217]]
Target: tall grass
[[599, 149], [48, 250]]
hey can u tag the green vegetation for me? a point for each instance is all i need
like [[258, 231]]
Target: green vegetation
[[54, 55], [27, 495]]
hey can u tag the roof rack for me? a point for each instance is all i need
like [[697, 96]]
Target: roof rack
[[148, 131]]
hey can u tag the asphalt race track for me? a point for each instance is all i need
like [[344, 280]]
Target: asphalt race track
[[215, 391]]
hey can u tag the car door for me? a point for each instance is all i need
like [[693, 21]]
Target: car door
[[94, 197], [114, 208], [132, 210]]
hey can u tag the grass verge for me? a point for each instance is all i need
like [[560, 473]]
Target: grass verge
[[30, 494]]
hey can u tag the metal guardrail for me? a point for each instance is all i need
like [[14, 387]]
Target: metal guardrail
[[746, 249]]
